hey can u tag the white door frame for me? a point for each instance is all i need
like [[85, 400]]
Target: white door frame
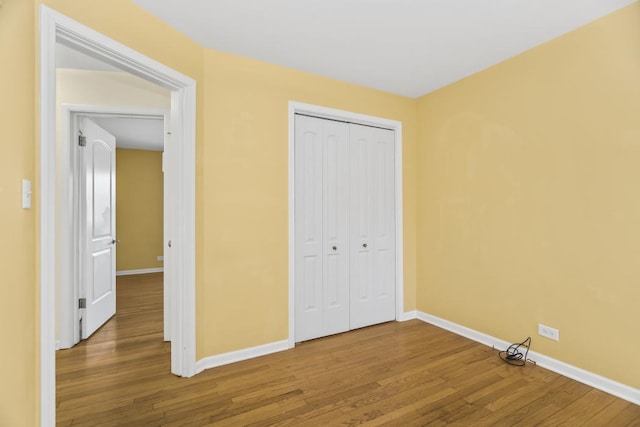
[[362, 119], [67, 238], [55, 27]]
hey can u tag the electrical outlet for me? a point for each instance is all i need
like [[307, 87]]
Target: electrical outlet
[[549, 332], [160, 258]]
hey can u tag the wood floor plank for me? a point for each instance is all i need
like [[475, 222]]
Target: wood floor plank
[[394, 374], [608, 414], [629, 416], [539, 401]]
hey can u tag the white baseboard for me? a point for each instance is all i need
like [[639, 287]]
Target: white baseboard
[[261, 350], [141, 271], [239, 355], [408, 315], [464, 331], [607, 385]]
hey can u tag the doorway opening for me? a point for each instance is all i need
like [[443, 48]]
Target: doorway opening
[[180, 165], [140, 135]]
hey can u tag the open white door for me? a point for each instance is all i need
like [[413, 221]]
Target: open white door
[[98, 227]]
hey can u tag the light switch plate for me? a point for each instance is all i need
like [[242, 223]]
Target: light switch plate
[[26, 194]]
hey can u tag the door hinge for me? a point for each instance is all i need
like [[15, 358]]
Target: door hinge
[[82, 140], [82, 303]]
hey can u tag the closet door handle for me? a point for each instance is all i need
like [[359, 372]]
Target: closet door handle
[[364, 245], [335, 248]]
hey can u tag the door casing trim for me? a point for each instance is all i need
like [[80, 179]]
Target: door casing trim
[[55, 27], [362, 119]]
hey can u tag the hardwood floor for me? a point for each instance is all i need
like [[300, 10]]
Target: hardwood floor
[[396, 374]]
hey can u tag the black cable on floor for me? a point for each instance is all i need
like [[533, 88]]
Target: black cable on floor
[[513, 355]]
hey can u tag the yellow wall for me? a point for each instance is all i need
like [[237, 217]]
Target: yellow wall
[[18, 294], [529, 197], [245, 195], [139, 202], [112, 88]]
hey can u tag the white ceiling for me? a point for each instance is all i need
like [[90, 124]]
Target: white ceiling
[[135, 133], [406, 47]]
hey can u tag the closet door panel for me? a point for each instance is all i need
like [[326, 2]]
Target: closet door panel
[[322, 228], [384, 209], [362, 216], [336, 226], [308, 224]]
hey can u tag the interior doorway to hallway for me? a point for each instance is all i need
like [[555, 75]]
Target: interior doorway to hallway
[[180, 165], [138, 237]]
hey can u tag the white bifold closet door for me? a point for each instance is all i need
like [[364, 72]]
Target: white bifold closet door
[[321, 227], [372, 226], [344, 227]]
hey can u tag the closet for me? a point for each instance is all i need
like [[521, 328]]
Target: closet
[[344, 217]]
